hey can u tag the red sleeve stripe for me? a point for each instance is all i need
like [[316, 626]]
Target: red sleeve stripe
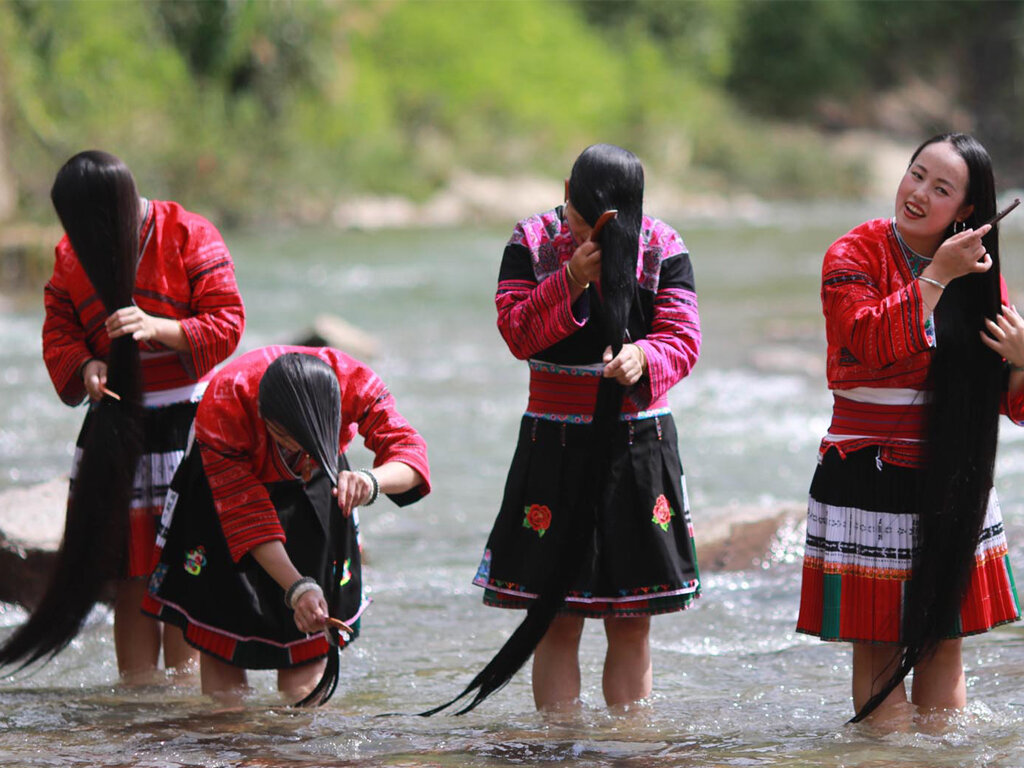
[[246, 513]]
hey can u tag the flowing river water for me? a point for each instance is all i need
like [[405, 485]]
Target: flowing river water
[[734, 684]]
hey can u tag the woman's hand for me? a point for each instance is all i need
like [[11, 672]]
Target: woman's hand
[[94, 376], [626, 367], [311, 611], [960, 255], [585, 265], [142, 327], [1005, 336], [354, 490]]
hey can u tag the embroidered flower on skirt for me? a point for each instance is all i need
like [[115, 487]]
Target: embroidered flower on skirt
[[538, 517], [663, 513], [346, 572], [195, 559]]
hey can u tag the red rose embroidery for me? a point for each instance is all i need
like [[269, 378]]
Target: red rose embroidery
[[662, 512], [538, 517]]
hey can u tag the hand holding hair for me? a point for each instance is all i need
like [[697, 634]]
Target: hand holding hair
[[1005, 336], [145, 327], [94, 377], [962, 254], [355, 489], [584, 267], [311, 611], [627, 367]]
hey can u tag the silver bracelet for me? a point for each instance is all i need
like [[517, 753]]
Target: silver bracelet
[[928, 280], [299, 588], [374, 482]]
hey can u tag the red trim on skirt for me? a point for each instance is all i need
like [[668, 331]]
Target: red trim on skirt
[[867, 608]]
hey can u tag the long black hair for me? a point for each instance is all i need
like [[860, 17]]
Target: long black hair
[[603, 177], [96, 200], [966, 378], [300, 394]]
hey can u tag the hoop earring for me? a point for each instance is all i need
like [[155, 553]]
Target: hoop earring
[[959, 226]]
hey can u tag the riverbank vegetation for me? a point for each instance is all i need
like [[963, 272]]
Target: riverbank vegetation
[[253, 109]]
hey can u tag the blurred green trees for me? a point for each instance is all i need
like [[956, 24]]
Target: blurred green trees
[[275, 107]]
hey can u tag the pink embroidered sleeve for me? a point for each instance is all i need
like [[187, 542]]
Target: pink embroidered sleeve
[[533, 316], [673, 344]]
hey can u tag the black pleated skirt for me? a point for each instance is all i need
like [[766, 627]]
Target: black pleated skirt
[[235, 611], [642, 559]]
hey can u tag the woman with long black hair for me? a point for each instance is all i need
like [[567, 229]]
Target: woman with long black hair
[[254, 553], [594, 522], [905, 546], [141, 306]]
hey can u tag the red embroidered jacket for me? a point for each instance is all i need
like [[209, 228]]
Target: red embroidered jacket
[[879, 331], [537, 319], [239, 455], [185, 272]]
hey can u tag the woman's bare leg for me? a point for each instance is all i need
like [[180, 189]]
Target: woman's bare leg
[[628, 673], [939, 681], [180, 658], [136, 636], [298, 682], [556, 665], [222, 681], [872, 667]]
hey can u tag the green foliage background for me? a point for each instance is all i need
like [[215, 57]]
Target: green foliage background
[[255, 108]]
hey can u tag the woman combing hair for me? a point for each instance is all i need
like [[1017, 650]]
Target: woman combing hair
[[594, 522], [906, 552], [141, 305], [259, 560]]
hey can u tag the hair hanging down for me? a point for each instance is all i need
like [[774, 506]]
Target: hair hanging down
[[300, 393], [603, 177], [966, 377], [95, 198]]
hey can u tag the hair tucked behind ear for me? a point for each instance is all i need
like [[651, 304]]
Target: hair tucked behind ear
[[300, 393], [966, 377], [603, 177], [95, 197]]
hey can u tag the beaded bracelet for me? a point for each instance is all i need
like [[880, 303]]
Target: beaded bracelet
[[928, 280], [299, 588], [374, 482]]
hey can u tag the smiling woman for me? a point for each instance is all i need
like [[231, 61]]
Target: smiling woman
[[932, 193], [905, 546]]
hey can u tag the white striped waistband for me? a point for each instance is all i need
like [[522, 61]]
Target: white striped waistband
[[192, 393], [885, 395]]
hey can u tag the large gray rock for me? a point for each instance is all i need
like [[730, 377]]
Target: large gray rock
[[31, 527]]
